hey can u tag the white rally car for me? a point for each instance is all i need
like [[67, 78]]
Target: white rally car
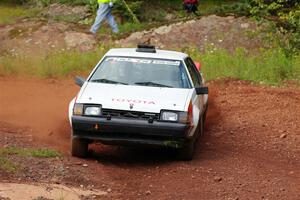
[[140, 96]]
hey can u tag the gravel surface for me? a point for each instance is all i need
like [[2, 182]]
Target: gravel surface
[[250, 150]]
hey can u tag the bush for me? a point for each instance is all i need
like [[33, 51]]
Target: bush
[[238, 8], [286, 15], [13, 1]]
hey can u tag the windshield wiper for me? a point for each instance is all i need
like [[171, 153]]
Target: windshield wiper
[[103, 80], [149, 83]]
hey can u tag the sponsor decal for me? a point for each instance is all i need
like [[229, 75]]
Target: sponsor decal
[[133, 101], [144, 61]]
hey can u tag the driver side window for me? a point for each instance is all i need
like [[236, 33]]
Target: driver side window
[[196, 78]]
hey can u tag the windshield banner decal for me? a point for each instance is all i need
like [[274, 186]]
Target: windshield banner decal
[[144, 61]]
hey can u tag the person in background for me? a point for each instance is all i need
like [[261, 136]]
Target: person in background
[[104, 12], [191, 6]]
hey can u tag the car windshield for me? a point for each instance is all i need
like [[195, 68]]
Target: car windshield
[[141, 71]]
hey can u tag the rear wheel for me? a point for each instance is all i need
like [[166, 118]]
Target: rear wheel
[[79, 147]]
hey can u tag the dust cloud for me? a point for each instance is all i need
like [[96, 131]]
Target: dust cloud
[[40, 106]]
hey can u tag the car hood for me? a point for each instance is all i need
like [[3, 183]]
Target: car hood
[[135, 98]]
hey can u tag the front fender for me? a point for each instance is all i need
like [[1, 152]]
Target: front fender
[[71, 106]]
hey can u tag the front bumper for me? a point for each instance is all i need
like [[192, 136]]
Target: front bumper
[[122, 131]]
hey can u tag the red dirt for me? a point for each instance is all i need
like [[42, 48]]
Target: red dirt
[[40, 105], [251, 148]]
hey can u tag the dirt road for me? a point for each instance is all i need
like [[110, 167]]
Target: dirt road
[[251, 149]]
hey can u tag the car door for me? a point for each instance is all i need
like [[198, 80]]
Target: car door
[[197, 100]]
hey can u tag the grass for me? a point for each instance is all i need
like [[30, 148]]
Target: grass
[[132, 27], [68, 18], [237, 7], [25, 152], [54, 65], [44, 153], [9, 14], [268, 66], [9, 166]]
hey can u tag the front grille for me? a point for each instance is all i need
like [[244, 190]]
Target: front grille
[[129, 114]]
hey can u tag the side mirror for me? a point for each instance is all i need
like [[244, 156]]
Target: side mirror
[[198, 66], [79, 81], [201, 90]]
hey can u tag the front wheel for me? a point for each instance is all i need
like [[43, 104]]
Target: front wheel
[[202, 124], [79, 147], [187, 152]]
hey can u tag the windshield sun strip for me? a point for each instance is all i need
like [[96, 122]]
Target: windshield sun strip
[[182, 63]]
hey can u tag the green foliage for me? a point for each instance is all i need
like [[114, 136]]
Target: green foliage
[[131, 27], [239, 8], [53, 65], [68, 18], [8, 165], [156, 12], [286, 15], [273, 8], [44, 153], [268, 66], [41, 2], [13, 151], [293, 20], [48, 2], [77, 2], [153, 11], [128, 13], [9, 14], [24, 152], [93, 5], [13, 2]]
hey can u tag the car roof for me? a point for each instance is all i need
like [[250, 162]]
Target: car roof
[[162, 54]]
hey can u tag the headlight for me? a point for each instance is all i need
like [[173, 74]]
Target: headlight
[[92, 110], [78, 109], [169, 116]]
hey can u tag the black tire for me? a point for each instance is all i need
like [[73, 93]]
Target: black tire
[[202, 122], [187, 152], [204, 115], [79, 147]]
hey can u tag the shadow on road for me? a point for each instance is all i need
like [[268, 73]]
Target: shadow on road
[[132, 155]]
